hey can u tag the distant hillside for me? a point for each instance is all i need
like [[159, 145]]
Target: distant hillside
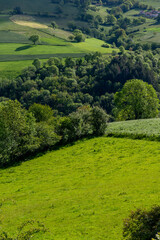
[[48, 5], [27, 5]]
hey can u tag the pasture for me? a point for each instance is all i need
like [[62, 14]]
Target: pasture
[[83, 191], [143, 128], [15, 46], [154, 3], [13, 68]]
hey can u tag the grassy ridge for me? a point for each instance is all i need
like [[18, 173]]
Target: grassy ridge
[[144, 128], [82, 192]]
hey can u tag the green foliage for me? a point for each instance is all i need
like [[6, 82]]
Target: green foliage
[[23, 132], [136, 100], [86, 121], [47, 137], [142, 224], [79, 36], [99, 121], [34, 39], [157, 237], [17, 132], [111, 19], [54, 24], [41, 113], [37, 63]]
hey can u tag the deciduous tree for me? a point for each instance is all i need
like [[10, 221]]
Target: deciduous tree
[[136, 100]]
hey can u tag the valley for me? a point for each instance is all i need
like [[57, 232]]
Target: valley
[[79, 119]]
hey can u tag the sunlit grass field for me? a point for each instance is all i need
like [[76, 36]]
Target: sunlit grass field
[[15, 56], [83, 191], [13, 68], [154, 3], [93, 45], [26, 49], [90, 45]]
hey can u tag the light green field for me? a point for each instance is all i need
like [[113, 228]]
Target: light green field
[[93, 45], [10, 52], [149, 128], [13, 69], [154, 3], [26, 49], [90, 45], [154, 29], [84, 191]]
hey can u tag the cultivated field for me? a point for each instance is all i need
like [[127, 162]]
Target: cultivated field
[[82, 191]]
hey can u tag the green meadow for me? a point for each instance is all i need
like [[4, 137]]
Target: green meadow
[[82, 191], [91, 45], [13, 68], [143, 128], [154, 29], [154, 3], [15, 47], [25, 49]]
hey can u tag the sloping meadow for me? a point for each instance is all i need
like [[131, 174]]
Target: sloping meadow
[[81, 191]]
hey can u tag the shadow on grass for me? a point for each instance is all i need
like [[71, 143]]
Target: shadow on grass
[[23, 48], [39, 153]]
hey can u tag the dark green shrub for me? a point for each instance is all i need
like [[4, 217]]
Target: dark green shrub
[[86, 121], [17, 132], [99, 121], [46, 136], [142, 224]]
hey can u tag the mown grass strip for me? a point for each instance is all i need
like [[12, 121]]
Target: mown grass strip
[[6, 58]]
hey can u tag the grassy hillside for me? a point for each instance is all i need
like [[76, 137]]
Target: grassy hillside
[[143, 128], [15, 46], [82, 191], [30, 6], [154, 3]]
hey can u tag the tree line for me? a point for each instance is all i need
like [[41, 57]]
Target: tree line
[[26, 132], [66, 85]]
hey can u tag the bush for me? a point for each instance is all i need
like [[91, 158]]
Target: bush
[[142, 224], [99, 121], [86, 121], [17, 132], [105, 45], [46, 135]]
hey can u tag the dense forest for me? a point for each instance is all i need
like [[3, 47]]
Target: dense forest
[[66, 85]]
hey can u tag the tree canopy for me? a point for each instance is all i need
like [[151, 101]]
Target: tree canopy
[[136, 100], [34, 39]]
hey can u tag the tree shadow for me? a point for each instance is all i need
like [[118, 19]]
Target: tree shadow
[[23, 48]]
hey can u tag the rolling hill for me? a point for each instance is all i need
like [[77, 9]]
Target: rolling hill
[[83, 191]]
